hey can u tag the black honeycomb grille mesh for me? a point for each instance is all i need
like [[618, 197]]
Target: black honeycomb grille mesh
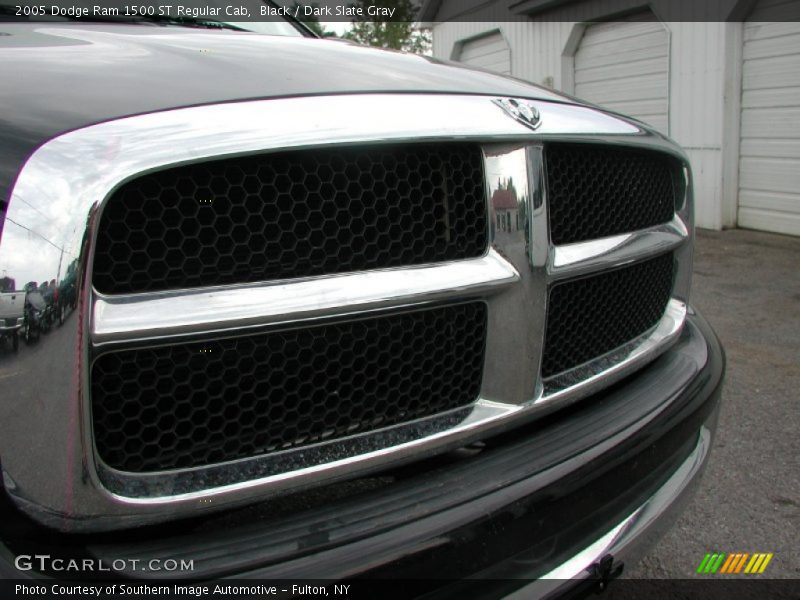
[[589, 317], [597, 191], [291, 215], [195, 404]]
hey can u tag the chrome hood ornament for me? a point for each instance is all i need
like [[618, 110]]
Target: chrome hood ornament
[[521, 110]]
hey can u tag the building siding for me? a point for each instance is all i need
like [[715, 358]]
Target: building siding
[[697, 63], [769, 194], [624, 66], [489, 51]]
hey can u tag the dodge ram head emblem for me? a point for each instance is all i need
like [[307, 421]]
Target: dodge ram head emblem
[[522, 110]]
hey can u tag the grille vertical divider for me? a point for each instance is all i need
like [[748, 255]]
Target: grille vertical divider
[[540, 248], [517, 317]]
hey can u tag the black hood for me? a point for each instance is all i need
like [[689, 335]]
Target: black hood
[[59, 77]]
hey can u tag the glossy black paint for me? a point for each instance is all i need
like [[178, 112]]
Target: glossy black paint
[[59, 77], [525, 527], [554, 488]]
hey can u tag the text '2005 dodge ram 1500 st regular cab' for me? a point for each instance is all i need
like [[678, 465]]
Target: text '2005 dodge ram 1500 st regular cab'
[[339, 313]]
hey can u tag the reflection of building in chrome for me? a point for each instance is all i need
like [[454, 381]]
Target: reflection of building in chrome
[[506, 210]]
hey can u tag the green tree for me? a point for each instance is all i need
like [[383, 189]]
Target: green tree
[[397, 34]]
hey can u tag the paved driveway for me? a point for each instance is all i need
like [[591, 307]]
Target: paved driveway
[[747, 284]]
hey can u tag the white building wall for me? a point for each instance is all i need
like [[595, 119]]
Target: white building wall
[[696, 110], [697, 100]]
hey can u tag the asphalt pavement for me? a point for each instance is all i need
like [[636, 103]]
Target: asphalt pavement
[[747, 284]]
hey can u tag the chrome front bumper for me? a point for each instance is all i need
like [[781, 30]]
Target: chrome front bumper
[[591, 487]]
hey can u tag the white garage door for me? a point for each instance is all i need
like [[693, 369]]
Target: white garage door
[[487, 52], [769, 168], [624, 66]]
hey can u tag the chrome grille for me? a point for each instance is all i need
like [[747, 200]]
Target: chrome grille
[[596, 191], [189, 405], [200, 404], [511, 276], [178, 406], [591, 316], [292, 214]]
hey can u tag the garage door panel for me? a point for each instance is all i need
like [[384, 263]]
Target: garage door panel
[[769, 174], [774, 72], [491, 40], [771, 98], [766, 30], [768, 201], [493, 57], [650, 87], [591, 60], [496, 60], [771, 47], [647, 117], [624, 66], [769, 150], [655, 118], [637, 108], [488, 52], [650, 43], [779, 123], [469, 54], [497, 67], [612, 33], [637, 68]]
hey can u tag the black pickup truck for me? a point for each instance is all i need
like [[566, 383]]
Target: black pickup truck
[[338, 313]]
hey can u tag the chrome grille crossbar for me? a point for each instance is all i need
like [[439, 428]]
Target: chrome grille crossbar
[[583, 258], [167, 314]]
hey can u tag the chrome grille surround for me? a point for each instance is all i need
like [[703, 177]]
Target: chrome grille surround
[[177, 406], [597, 191], [60, 194], [292, 214], [593, 315]]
